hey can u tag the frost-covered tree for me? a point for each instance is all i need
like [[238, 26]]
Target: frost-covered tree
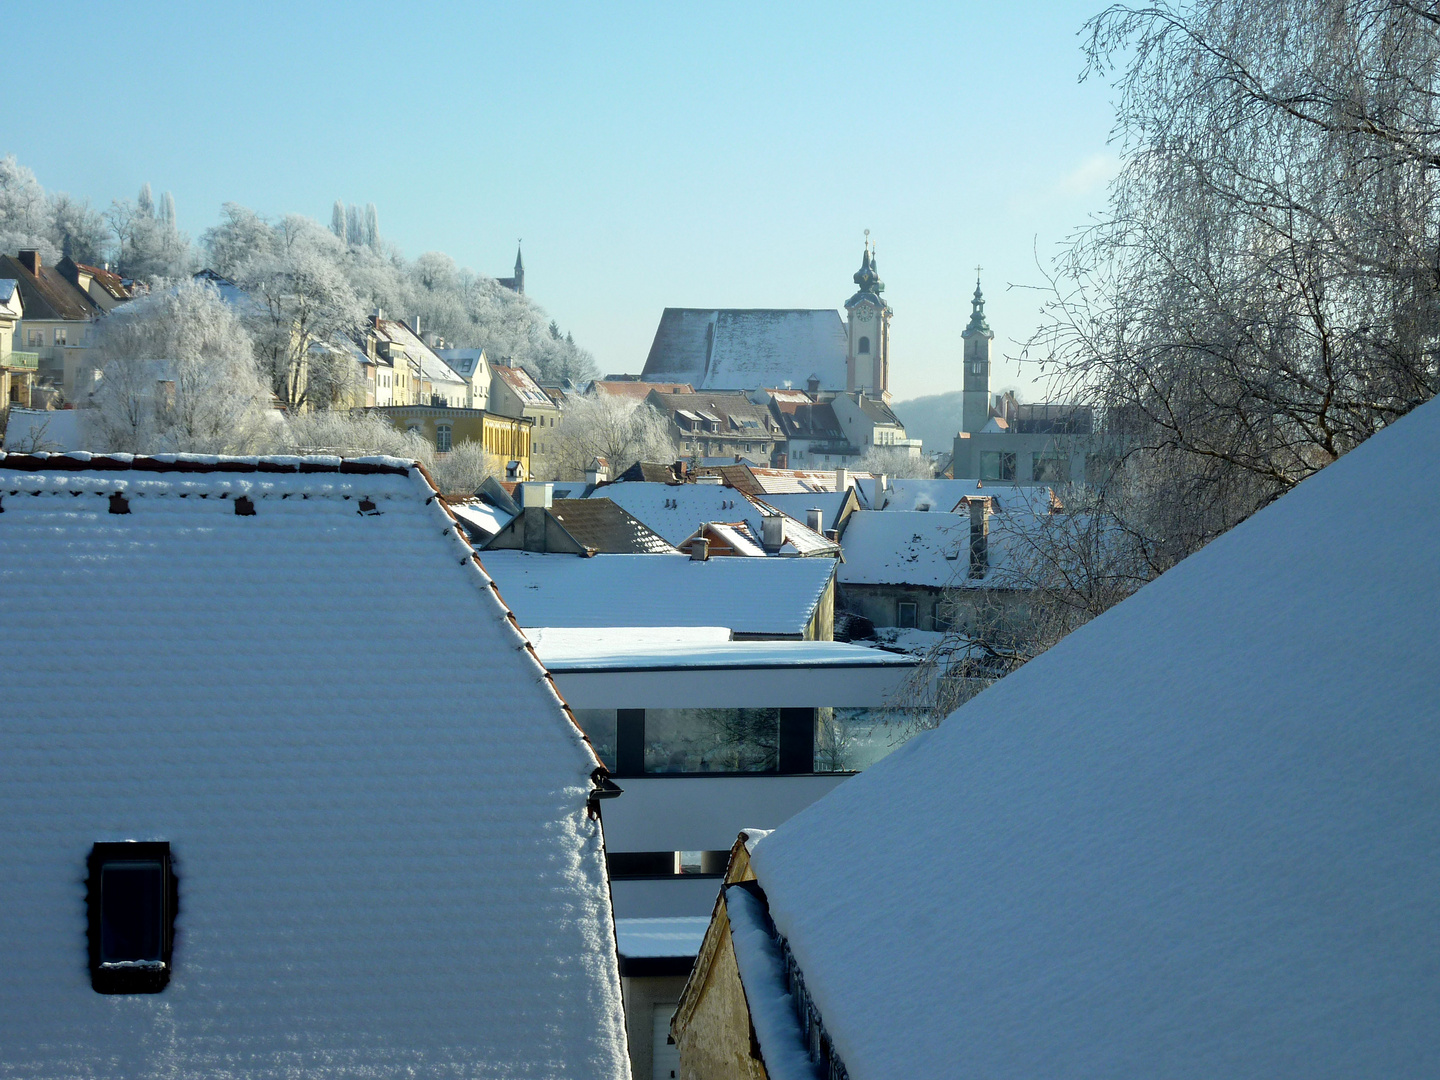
[[618, 429], [77, 222], [242, 235], [301, 295], [26, 218], [354, 228], [337, 219], [145, 201], [167, 210], [372, 226], [150, 248], [897, 463], [177, 374]]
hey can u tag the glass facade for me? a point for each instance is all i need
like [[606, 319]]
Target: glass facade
[[712, 740]]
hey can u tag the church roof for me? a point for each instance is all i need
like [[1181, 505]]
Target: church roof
[[743, 349]]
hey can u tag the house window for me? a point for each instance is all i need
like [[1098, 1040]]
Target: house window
[[132, 900], [37, 339], [864, 345], [442, 438], [60, 335], [997, 465], [1051, 469], [905, 615]]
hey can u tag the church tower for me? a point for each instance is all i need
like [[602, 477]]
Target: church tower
[[867, 357], [977, 337]]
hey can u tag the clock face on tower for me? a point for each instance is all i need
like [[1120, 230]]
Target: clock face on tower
[[863, 313]]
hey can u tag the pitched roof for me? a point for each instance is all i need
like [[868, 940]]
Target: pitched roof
[[48, 295], [799, 503], [944, 496], [654, 472], [1194, 838], [432, 368], [601, 525], [744, 349], [111, 282], [753, 597], [462, 361], [524, 387], [354, 840], [675, 511], [736, 414], [634, 388], [807, 420]]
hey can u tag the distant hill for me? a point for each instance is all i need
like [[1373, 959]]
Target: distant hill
[[934, 418]]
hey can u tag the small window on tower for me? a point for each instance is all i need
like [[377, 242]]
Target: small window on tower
[[864, 345], [977, 367]]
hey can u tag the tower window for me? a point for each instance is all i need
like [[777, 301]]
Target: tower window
[[977, 367], [133, 900], [864, 345]]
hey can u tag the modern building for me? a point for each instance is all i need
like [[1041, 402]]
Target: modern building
[[236, 842], [1194, 838], [703, 734]]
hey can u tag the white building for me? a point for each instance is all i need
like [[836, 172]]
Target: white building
[[302, 856]]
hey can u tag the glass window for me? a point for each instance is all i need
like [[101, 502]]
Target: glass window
[[60, 335], [442, 438], [1049, 468], [864, 345], [599, 727], [847, 740], [997, 465], [905, 615], [712, 740], [132, 900]]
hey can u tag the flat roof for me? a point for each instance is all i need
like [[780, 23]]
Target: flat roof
[[620, 653]]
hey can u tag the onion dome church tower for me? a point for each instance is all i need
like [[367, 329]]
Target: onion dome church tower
[[977, 337], [867, 364]]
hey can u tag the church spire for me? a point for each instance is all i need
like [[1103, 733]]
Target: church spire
[[867, 277], [519, 263], [978, 323]]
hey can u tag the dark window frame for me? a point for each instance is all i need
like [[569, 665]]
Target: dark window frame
[[111, 978]]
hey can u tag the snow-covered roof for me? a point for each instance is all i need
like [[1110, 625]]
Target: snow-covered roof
[[616, 639], [885, 547], [463, 362], [675, 511], [613, 654], [1196, 838], [754, 597], [782, 1043], [740, 349], [386, 864], [679, 935], [736, 535], [798, 504], [944, 495], [480, 519], [7, 289], [42, 429]]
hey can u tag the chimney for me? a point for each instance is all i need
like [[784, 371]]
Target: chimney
[[842, 479], [812, 386], [815, 518], [882, 483], [772, 532], [833, 535], [535, 493], [699, 549], [979, 537], [30, 259], [415, 325], [597, 473], [710, 478], [379, 315]]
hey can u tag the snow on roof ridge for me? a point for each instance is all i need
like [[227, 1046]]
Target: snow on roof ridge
[[192, 463]]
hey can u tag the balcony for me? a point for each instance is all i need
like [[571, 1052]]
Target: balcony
[[30, 361]]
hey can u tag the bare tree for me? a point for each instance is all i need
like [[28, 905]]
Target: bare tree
[[620, 430], [1264, 291]]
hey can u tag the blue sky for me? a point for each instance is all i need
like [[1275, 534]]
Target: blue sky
[[649, 155]]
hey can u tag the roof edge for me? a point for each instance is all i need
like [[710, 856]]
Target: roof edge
[[198, 463]]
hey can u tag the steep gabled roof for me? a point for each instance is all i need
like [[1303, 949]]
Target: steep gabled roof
[[48, 295], [523, 386], [744, 349], [675, 511], [386, 862], [1196, 838], [601, 525]]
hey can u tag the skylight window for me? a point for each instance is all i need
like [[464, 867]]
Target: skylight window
[[133, 900]]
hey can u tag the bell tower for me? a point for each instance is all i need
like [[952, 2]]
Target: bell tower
[[977, 337], [867, 319]]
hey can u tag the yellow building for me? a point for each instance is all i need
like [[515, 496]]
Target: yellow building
[[505, 437]]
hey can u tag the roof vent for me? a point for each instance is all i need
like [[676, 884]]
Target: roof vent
[[772, 532], [815, 518], [699, 549]]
